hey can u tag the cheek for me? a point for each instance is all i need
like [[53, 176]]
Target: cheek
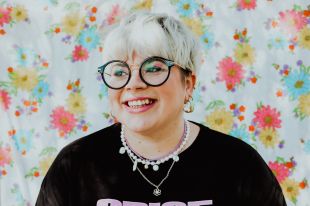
[[114, 98]]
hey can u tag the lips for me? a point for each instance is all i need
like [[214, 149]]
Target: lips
[[138, 105]]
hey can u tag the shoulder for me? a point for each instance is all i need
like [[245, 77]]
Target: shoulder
[[221, 142], [100, 140]]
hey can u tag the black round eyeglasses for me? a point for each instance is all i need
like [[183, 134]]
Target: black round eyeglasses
[[154, 71]]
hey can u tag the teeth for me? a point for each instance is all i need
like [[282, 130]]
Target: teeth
[[139, 103]]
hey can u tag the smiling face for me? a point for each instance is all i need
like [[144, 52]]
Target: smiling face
[[142, 108]]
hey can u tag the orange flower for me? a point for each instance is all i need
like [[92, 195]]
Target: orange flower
[[3, 172], [236, 36], [94, 9], [2, 32], [253, 80], [279, 93], [17, 113], [57, 30], [84, 128], [251, 128], [307, 13], [303, 184], [241, 118], [45, 64], [69, 87], [77, 83], [10, 69], [291, 47], [92, 18], [27, 103], [242, 108], [36, 174], [232, 106], [244, 32], [289, 164], [209, 13]]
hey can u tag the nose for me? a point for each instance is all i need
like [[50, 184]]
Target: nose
[[135, 82]]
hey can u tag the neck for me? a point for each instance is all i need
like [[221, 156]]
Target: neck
[[157, 142]]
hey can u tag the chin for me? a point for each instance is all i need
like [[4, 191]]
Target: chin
[[139, 124]]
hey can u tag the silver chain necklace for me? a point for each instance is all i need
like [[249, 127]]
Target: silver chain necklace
[[154, 163], [173, 155], [156, 191]]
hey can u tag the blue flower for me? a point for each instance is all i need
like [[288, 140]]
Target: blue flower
[[307, 147], [208, 40], [103, 90], [278, 41], [241, 133], [89, 39], [23, 140], [186, 7], [41, 90], [297, 83], [25, 57]]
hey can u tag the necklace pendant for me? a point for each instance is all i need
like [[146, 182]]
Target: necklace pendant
[[155, 167], [135, 165], [157, 192], [122, 150]]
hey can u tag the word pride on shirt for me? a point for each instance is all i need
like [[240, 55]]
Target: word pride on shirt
[[113, 202]]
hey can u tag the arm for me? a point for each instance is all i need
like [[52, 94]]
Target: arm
[[259, 186], [55, 189]]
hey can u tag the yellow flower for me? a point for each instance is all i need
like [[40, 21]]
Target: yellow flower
[[195, 25], [290, 188], [304, 104], [19, 13], [76, 103], [73, 23], [45, 164], [220, 120], [244, 54], [25, 79], [304, 38], [146, 4], [269, 137]]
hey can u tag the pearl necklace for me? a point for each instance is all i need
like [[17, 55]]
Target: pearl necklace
[[154, 163]]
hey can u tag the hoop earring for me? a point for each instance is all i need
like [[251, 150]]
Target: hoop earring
[[189, 105]]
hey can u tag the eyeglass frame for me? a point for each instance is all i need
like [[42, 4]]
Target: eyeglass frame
[[168, 62]]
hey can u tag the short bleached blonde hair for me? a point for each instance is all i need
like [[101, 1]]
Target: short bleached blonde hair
[[152, 34]]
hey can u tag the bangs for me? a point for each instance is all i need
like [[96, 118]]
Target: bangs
[[142, 39]]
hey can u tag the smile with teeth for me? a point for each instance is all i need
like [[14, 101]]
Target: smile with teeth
[[139, 103]]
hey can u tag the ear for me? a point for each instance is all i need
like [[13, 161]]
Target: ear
[[190, 83]]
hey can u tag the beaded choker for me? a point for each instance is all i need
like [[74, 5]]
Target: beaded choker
[[154, 163]]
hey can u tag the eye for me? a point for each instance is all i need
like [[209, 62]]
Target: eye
[[153, 69], [119, 73]]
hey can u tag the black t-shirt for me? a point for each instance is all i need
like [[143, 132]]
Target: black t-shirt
[[216, 169]]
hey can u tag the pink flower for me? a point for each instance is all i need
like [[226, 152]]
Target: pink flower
[[247, 4], [229, 71], [4, 16], [5, 157], [79, 53], [267, 117], [279, 170], [112, 16], [292, 21], [63, 120], [5, 99]]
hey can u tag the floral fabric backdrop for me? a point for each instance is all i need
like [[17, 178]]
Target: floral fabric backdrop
[[254, 82]]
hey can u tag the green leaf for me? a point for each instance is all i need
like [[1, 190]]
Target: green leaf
[[72, 6], [214, 104]]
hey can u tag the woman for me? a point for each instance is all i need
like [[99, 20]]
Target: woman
[[153, 156]]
